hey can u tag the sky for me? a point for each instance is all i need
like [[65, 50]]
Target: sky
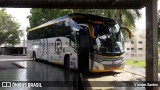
[[20, 15]]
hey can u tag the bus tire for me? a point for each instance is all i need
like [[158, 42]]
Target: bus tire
[[67, 62], [34, 56]]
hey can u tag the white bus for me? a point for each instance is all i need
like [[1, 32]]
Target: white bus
[[79, 41]]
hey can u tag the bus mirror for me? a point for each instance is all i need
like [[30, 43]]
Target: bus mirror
[[124, 30], [68, 36], [83, 31], [77, 33]]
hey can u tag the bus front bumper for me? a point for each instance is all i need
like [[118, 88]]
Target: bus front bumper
[[107, 66]]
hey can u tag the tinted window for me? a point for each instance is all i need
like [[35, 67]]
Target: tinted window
[[55, 30], [140, 42], [140, 49], [58, 29]]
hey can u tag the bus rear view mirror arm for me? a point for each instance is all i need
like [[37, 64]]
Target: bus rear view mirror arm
[[129, 31], [68, 36]]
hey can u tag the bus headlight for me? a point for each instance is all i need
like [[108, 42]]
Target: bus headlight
[[118, 61], [103, 58], [98, 58]]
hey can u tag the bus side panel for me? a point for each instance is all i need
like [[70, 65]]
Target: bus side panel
[[69, 47], [40, 48], [73, 59], [52, 57], [29, 48], [46, 51], [58, 48]]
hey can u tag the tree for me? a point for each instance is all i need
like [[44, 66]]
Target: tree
[[125, 17], [39, 16], [9, 29], [158, 26], [158, 17]]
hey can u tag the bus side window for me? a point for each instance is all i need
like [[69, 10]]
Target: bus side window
[[50, 31], [61, 29], [29, 35], [73, 40], [77, 37]]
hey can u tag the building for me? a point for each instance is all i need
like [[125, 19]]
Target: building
[[18, 49], [136, 48]]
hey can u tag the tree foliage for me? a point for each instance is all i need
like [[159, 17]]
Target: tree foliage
[[9, 29], [159, 26], [125, 17]]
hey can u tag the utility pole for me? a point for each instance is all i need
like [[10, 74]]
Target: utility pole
[[151, 43]]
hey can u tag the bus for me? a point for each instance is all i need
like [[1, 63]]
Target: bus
[[79, 41]]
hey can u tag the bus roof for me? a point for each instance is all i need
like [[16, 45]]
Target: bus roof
[[76, 15], [93, 17]]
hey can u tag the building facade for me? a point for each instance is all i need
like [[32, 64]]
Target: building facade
[[18, 49], [135, 49]]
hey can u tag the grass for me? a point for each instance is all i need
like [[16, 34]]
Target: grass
[[136, 63], [139, 63]]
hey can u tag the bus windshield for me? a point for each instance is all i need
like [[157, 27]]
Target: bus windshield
[[109, 39]]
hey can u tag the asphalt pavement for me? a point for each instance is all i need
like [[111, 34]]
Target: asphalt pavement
[[23, 68], [55, 77], [7, 61], [14, 58]]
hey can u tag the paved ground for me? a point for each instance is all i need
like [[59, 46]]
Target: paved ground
[[117, 80], [13, 58], [5, 65], [36, 71], [28, 70], [7, 61], [46, 72]]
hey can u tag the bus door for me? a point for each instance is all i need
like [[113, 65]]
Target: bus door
[[42, 51], [83, 50], [45, 48]]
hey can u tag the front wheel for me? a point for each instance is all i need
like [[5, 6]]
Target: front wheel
[[67, 63]]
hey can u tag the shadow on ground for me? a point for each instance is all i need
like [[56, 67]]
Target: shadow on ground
[[4, 65]]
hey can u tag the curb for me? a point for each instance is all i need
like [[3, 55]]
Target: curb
[[15, 59], [18, 65]]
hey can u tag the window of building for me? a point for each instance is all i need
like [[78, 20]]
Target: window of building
[[140, 42], [132, 48], [132, 42], [141, 55], [128, 48], [140, 48], [133, 55]]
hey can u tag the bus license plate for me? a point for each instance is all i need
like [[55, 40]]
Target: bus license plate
[[107, 62]]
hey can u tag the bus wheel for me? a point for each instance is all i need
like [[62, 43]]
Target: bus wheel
[[34, 56], [67, 62]]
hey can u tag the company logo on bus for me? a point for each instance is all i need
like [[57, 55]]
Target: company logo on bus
[[58, 46]]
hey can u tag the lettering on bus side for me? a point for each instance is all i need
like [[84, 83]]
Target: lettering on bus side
[[58, 46]]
